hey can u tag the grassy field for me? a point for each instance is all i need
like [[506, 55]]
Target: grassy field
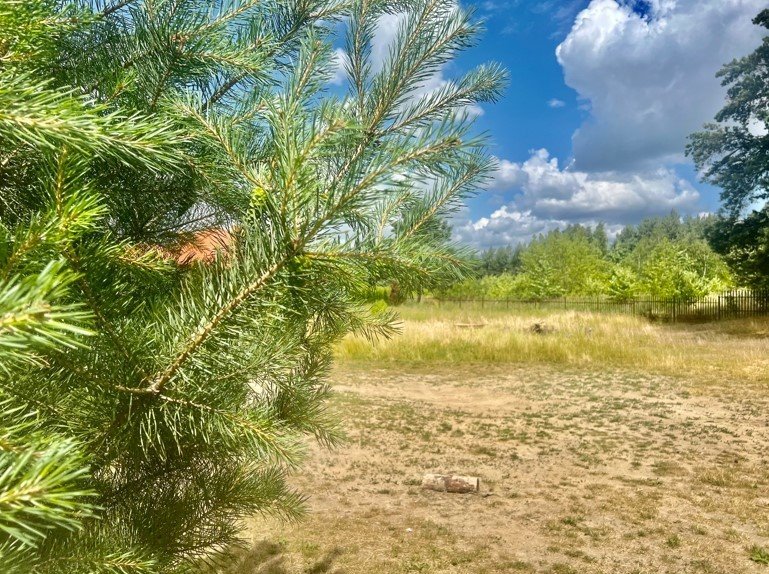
[[451, 334], [605, 444]]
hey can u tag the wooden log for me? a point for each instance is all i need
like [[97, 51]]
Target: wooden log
[[451, 483]]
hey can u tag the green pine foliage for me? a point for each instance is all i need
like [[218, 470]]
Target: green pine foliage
[[499, 260], [146, 407], [732, 151], [744, 245]]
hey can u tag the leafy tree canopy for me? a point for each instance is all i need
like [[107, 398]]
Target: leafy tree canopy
[[570, 261], [661, 256]]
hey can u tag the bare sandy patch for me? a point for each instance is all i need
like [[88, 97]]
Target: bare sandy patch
[[594, 472]]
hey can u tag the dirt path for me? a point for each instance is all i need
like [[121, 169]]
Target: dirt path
[[581, 472]]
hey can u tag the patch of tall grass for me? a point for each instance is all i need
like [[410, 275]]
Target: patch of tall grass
[[469, 334]]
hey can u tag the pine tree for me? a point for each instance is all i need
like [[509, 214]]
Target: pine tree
[[733, 151], [147, 405], [733, 154]]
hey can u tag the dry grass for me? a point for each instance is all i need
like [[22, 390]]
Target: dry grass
[[608, 446], [735, 350]]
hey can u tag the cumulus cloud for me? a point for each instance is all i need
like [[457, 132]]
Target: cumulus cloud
[[644, 71], [505, 226], [548, 191], [386, 30], [648, 75], [546, 196]]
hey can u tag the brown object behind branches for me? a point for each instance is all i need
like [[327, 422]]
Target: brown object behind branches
[[203, 247]]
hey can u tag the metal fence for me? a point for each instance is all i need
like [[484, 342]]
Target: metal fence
[[727, 305]]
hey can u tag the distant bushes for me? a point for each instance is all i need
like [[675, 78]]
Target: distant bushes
[[661, 257]]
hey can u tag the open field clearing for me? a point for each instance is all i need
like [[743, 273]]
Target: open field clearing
[[451, 334], [607, 445]]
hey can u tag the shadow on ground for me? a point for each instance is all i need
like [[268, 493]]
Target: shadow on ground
[[266, 557]]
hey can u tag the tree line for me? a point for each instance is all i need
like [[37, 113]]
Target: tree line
[[661, 257]]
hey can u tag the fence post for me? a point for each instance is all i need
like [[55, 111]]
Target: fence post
[[718, 308], [736, 303]]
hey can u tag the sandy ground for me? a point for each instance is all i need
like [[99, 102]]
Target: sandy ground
[[609, 472]]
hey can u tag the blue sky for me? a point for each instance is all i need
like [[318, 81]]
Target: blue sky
[[523, 36], [596, 132]]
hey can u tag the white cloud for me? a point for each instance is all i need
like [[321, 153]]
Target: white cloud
[[650, 81], [509, 226], [546, 196], [386, 30], [757, 127], [505, 226], [556, 103], [547, 190]]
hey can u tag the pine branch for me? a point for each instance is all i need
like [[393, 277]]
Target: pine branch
[[36, 482], [115, 7], [161, 379], [192, 398], [34, 114], [278, 47], [452, 193], [30, 316], [270, 442]]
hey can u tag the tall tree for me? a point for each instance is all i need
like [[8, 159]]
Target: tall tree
[[733, 153], [495, 261], [744, 245], [149, 405]]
